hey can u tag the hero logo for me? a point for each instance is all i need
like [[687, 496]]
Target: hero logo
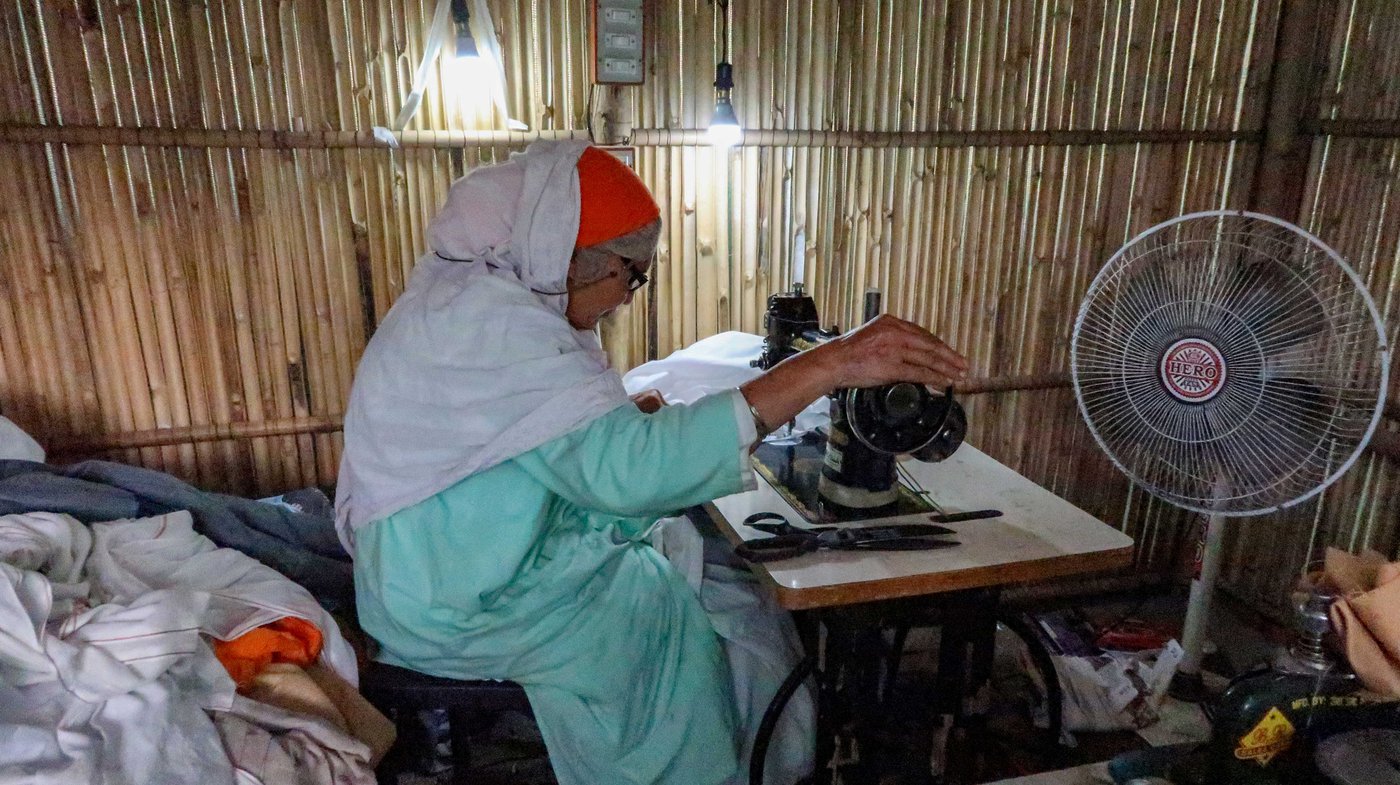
[[1193, 370]]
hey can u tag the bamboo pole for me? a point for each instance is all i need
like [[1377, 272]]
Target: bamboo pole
[[101, 280], [1027, 279], [330, 423], [230, 470], [254, 174], [1294, 98], [68, 402], [226, 273], [1354, 128], [660, 137], [1385, 443], [308, 243], [991, 384], [334, 214], [198, 433], [120, 268], [36, 394], [756, 286], [186, 239], [157, 177], [821, 164], [410, 201], [680, 247], [42, 395]]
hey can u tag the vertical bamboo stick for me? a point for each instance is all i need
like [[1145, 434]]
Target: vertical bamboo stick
[[186, 236], [136, 394], [41, 396], [274, 319], [227, 265], [35, 401]]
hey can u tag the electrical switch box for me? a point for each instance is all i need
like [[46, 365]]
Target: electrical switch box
[[618, 42]]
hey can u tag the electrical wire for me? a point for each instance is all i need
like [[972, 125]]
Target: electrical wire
[[588, 114], [912, 484], [726, 43]]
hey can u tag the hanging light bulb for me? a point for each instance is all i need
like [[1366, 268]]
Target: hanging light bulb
[[471, 65], [724, 124], [470, 71]]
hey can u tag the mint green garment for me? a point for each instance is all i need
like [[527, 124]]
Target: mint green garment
[[536, 571]]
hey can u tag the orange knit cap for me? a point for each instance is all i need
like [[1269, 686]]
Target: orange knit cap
[[612, 199]]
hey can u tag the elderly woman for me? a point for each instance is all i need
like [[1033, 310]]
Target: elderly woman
[[498, 487]]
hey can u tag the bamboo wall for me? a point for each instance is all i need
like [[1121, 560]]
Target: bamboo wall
[[225, 283], [1352, 202]]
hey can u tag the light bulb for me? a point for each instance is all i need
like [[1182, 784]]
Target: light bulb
[[724, 125], [474, 79]]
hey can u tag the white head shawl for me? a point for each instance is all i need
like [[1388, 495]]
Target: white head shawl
[[475, 363]]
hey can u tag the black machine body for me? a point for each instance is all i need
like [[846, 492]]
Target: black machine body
[[790, 326], [870, 427]]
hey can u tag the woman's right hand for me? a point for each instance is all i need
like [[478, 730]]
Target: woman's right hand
[[883, 351], [888, 349]]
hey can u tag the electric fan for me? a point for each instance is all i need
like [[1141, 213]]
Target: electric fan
[[1232, 364]]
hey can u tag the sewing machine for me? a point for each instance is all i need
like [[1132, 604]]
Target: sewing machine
[[851, 472]]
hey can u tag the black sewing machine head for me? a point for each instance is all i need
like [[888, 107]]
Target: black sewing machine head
[[851, 472]]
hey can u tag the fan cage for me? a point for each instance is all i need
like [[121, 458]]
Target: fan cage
[[1230, 362]]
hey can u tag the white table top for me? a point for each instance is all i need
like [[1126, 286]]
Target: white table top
[[1039, 536]]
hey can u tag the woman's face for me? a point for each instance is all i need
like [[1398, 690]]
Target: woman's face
[[590, 302]]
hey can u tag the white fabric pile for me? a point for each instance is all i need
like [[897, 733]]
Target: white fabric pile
[[105, 675], [720, 362]]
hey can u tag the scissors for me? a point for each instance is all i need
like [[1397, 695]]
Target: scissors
[[790, 541], [959, 517]]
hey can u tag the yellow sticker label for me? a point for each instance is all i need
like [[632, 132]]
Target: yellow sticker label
[[1272, 735]]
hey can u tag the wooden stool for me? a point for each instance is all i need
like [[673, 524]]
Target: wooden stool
[[401, 693]]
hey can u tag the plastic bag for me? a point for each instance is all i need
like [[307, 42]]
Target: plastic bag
[[1106, 690]]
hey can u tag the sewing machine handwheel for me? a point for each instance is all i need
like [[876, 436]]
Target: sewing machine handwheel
[[948, 440], [899, 418]]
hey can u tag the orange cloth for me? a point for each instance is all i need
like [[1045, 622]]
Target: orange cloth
[[290, 640], [613, 200]]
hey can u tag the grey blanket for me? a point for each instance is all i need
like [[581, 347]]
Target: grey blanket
[[301, 545]]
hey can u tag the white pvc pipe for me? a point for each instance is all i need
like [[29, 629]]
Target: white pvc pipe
[[1193, 635]]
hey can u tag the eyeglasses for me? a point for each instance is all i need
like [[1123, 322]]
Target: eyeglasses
[[636, 279]]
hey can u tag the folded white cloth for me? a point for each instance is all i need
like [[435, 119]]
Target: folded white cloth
[[116, 694], [132, 557], [56, 546], [116, 684]]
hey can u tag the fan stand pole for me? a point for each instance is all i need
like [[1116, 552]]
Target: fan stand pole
[[1187, 685]]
